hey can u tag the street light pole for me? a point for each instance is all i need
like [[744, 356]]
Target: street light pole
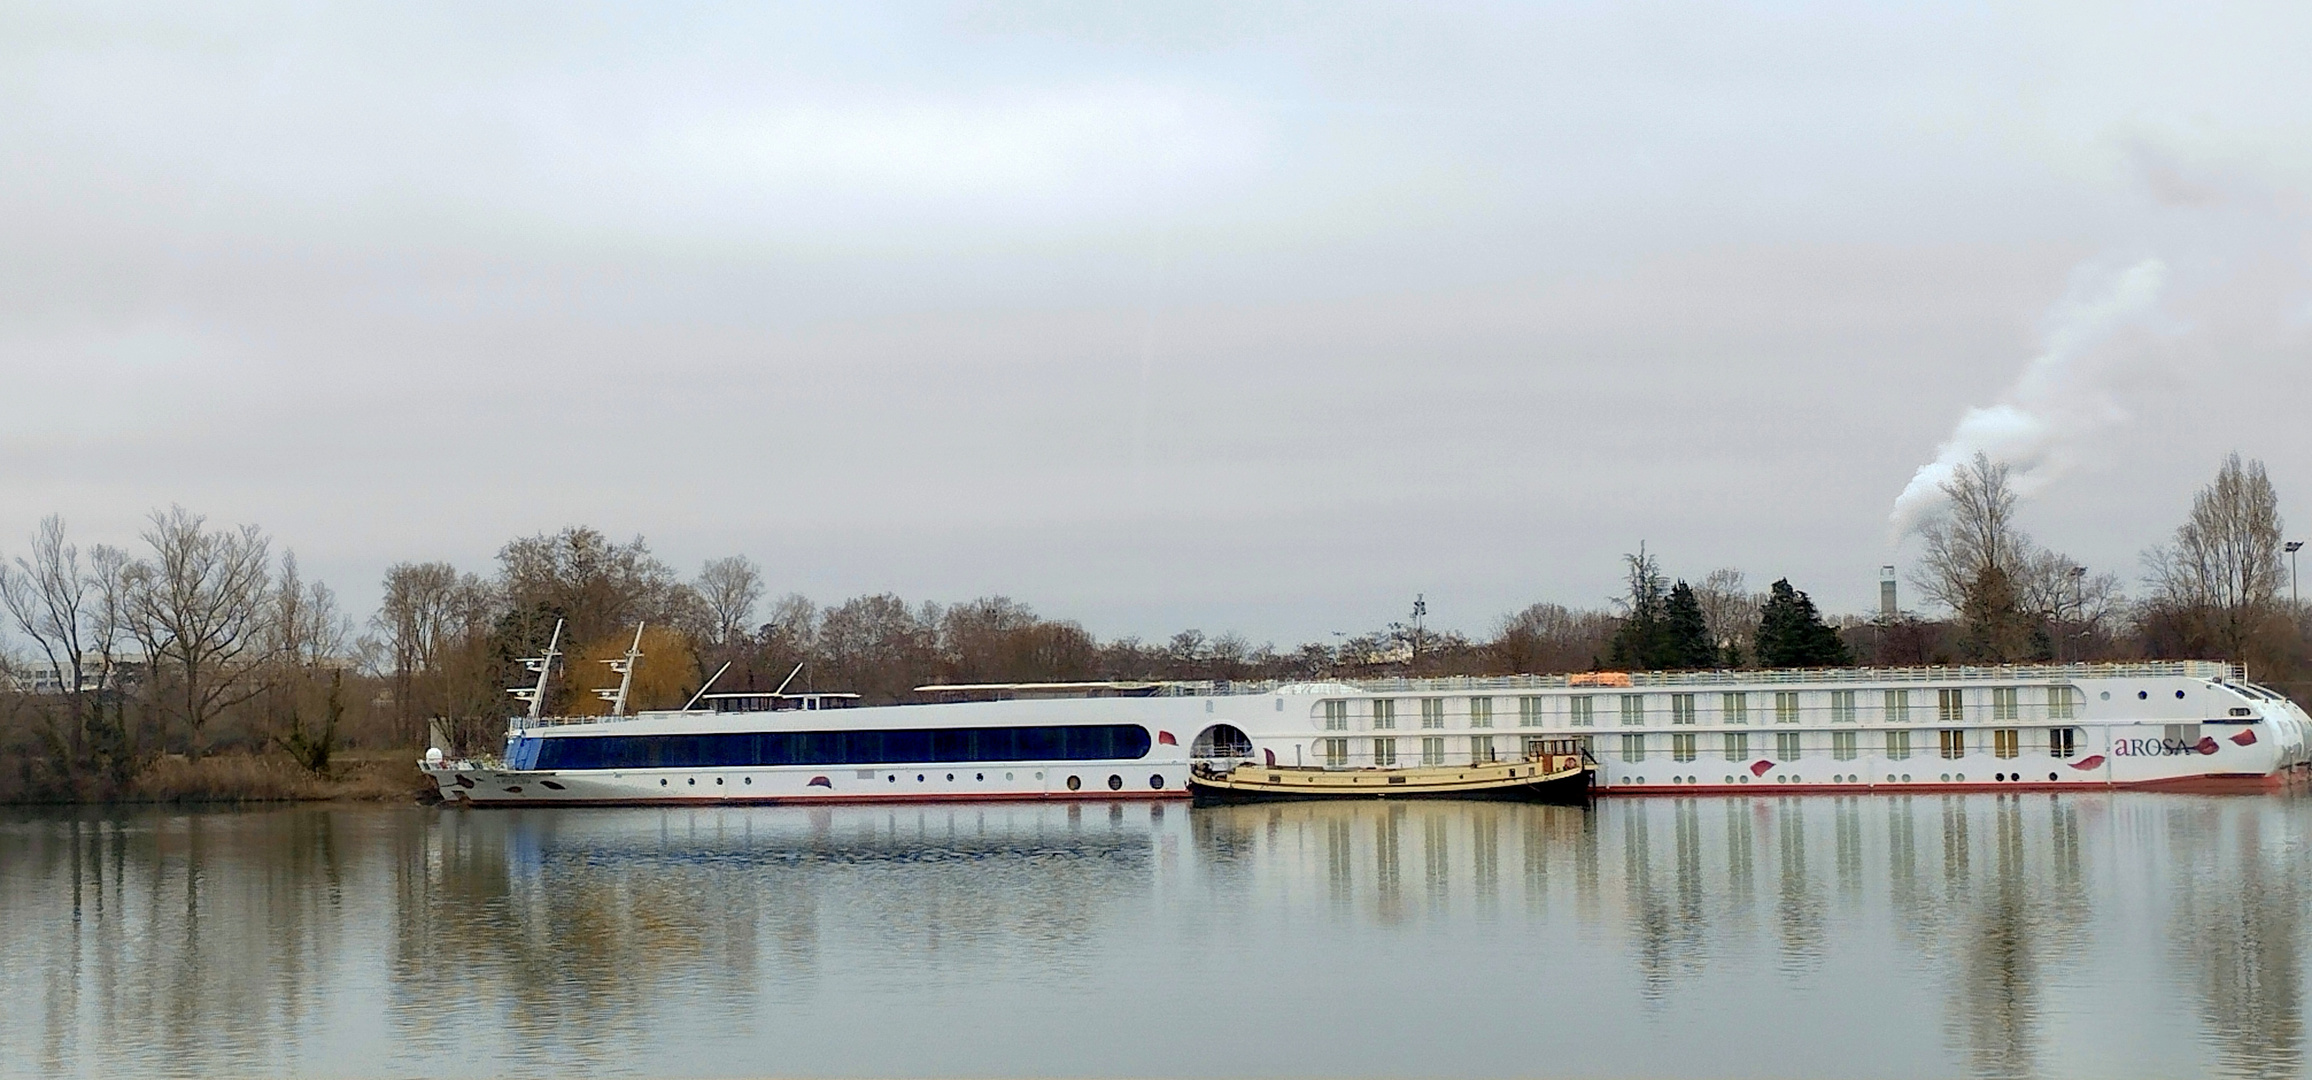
[[2293, 547]]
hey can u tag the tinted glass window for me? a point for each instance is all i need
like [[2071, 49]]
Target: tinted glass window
[[1072, 743]]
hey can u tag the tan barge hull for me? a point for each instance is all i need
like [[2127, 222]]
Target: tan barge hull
[[1559, 778]]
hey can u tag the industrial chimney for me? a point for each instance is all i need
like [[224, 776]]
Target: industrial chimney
[[1887, 609]]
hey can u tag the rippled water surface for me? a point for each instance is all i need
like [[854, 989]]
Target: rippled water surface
[[1987, 935]]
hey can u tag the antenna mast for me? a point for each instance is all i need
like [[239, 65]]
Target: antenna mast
[[544, 666], [624, 666]]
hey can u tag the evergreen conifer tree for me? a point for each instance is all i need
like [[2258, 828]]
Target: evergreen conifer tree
[[1791, 632], [1685, 634]]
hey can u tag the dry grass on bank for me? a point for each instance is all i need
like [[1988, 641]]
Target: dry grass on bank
[[370, 775]]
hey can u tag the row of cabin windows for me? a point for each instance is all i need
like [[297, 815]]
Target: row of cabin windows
[[1732, 707], [1846, 745]]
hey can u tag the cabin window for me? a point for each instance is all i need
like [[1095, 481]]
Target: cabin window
[[1528, 712], [1480, 749], [2003, 703], [1481, 712], [1954, 743], [2062, 742], [1384, 751], [1682, 709], [1432, 712], [1432, 750], [1842, 707], [1898, 707], [2006, 742], [2062, 703], [1336, 716], [1737, 745], [1951, 706], [1583, 715], [1336, 753], [1633, 710], [1842, 746], [1384, 714], [1898, 745], [1734, 708], [1682, 746], [1633, 748], [1533, 746], [1786, 706], [1786, 746]]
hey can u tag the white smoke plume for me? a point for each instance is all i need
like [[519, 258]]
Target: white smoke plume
[[2058, 399]]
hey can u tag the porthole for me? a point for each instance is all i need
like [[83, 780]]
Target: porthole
[[2107, 695], [693, 781], [951, 778], [1641, 779], [1115, 782], [979, 776], [1906, 778], [1962, 778], [1946, 778], [662, 782], [1007, 776], [918, 778], [1075, 783], [750, 780], [1745, 778], [1156, 782], [1729, 779], [2000, 776], [718, 781], [2179, 695], [892, 778], [2143, 695], [2051, 776], [1039, 774], [1890, 778]]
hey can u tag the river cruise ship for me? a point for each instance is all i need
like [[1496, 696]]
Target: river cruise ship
[[2179, 725]]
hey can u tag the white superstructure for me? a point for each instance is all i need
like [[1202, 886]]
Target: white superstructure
[[2181, 724]]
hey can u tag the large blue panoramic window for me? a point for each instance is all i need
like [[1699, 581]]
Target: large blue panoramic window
[[1087, 742]]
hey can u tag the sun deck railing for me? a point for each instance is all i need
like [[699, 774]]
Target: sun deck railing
[[2189, 669]]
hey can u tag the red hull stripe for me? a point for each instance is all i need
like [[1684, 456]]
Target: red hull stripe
[[2217, 784]]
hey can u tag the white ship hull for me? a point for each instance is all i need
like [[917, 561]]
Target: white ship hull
[[2179, 726]]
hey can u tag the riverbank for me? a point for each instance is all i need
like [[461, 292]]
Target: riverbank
[[354, 776]]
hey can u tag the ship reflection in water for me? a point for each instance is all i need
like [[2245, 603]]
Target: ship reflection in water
[[1991, 935]]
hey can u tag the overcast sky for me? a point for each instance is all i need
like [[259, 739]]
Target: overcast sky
[[1244, 317]]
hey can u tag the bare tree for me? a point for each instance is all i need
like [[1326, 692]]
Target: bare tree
[[47, 599], [730, 588], [1548, 638], [436, 623], [2222, 577], [198, 607], [601, 588], [1730, 610], [1976, 533]]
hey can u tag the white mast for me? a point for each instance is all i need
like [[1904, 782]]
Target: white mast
[[544, 666], [624, 666]]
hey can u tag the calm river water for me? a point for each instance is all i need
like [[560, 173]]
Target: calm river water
[[1989, 935]]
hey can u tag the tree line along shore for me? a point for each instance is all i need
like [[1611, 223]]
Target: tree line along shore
[[196, 665]]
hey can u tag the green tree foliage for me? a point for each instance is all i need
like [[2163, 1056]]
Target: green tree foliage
[[1791, 632], [1685, 633], [1663, 627]]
